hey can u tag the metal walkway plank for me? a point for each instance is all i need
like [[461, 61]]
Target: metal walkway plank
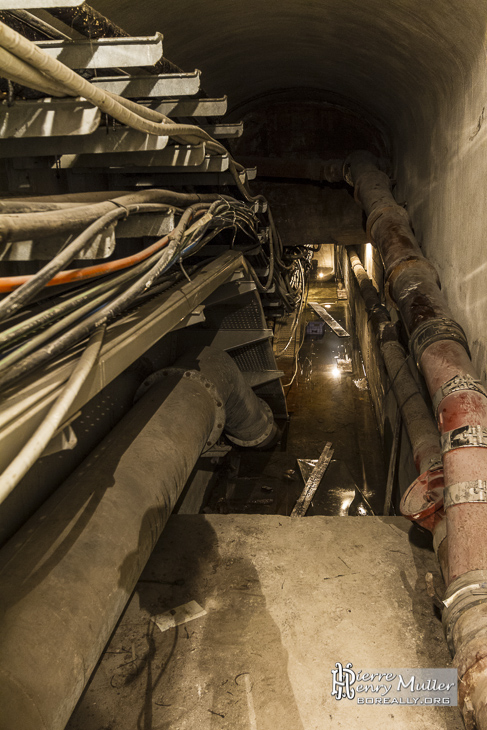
[[106, 52], [150, 86], [330, 321]]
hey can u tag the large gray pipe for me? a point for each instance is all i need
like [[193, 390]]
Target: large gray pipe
[[66, 576]]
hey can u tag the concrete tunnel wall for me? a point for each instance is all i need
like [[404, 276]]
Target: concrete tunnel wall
[[418, 68]]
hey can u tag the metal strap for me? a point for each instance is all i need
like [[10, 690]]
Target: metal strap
[[463, 437], [468, 590], [462, 492], [458, 382], [435, 330]]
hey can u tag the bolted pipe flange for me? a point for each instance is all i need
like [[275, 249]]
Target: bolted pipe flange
[[423, 500], [206, 385], [265, 437]]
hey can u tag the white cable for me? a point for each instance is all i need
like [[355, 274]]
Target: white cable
[[34, 447]]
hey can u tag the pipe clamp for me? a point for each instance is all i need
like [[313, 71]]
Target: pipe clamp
[[464, 492], [435, 330], [455, 384], [469, 589], [464, 437]]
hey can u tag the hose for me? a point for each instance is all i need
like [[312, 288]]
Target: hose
[[29, 286], [61, 80], [121, 302], [41, 437], [39, 320], [23, 226]]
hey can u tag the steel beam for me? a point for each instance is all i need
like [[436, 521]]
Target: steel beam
[[106, 52]]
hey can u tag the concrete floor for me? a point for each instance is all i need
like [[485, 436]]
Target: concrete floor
[[285, 599]]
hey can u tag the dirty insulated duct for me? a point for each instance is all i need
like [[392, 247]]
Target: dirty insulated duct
[[440, 349], [66, 575]]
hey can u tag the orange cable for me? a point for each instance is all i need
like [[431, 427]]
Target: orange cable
[[8, 283]]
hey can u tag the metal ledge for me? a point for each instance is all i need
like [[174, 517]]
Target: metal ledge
[[150, 86], [106, 52]]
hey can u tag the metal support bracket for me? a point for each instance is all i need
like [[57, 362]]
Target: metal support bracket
[[455, 384], [462, 492], [464, 437]]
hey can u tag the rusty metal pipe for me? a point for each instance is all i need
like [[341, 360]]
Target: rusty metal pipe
[[420, 426], [440, 348]]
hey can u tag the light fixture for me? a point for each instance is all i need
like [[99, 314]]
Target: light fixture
[[335, 371], [327, 306], [320, 275]]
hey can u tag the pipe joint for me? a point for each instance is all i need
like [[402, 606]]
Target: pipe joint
[[376, 213], [435, 330], [467, 591], [454, 385], [206, 385], [423, 500]]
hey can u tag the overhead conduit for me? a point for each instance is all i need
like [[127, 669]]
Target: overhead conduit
[[66, 576]]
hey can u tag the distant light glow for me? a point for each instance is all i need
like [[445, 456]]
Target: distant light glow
[[320, 275], [327, 306], [335, 371], [369, 258]]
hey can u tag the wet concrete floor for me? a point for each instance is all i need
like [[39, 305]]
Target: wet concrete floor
[[328, 401]]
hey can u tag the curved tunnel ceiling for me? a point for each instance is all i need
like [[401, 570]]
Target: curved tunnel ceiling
[[401, 60]]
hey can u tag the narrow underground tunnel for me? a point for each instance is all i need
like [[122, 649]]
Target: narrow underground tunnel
[[243, 421]]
